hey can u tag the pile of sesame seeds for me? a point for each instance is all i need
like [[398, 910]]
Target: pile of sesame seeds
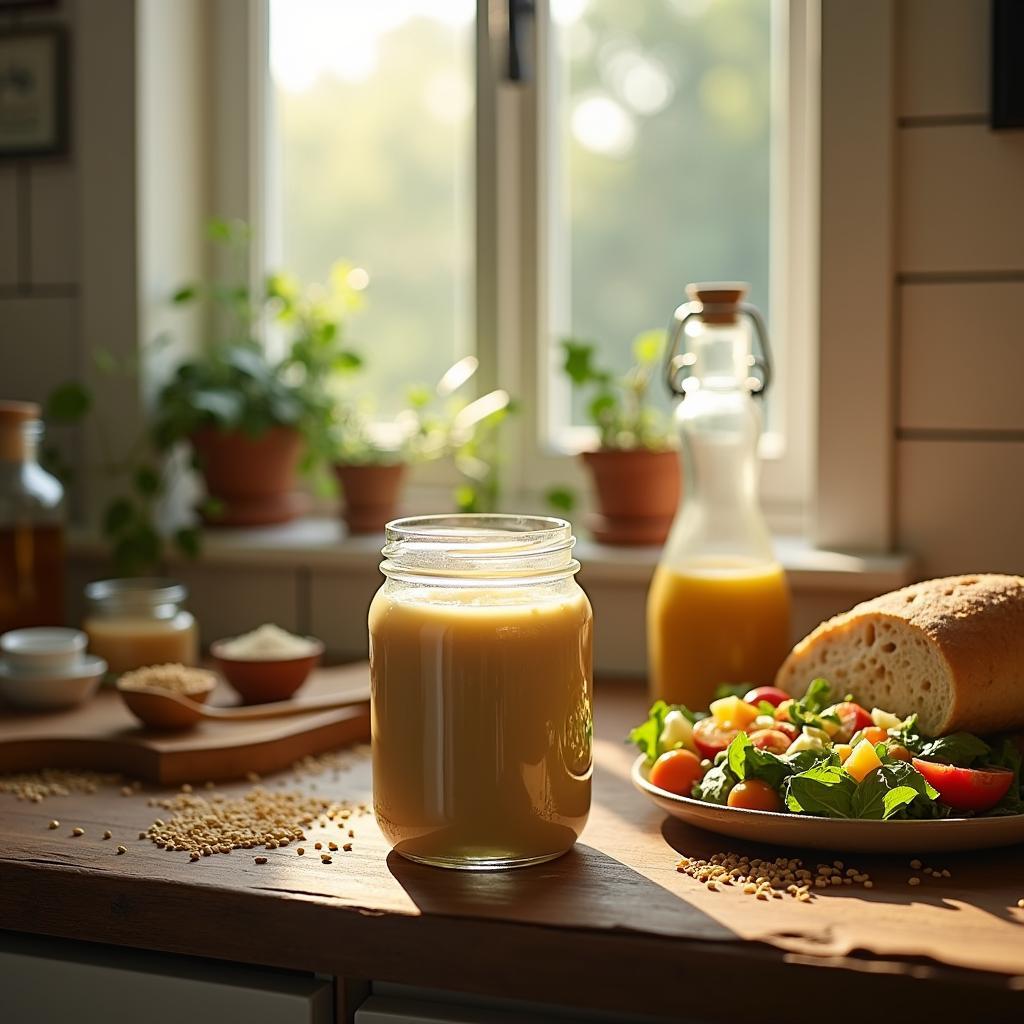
[[770, 879], [335, 761], [175, 678], [202, 826], [37, 786]]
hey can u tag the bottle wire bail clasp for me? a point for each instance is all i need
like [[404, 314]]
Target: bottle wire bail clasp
[[679, 363]]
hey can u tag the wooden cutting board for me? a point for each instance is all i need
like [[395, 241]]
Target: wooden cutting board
[[103, 735]]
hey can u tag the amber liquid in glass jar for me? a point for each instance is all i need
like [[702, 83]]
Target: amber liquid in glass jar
[[481, 718], [31, 576], [31, 525]]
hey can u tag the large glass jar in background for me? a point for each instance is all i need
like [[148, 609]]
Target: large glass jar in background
[[718, 610], [481, 691], [137, 622], [31, 525]]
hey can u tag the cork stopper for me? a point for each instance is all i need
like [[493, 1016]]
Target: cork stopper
[[720, 299], [15, 413], [13, 417]]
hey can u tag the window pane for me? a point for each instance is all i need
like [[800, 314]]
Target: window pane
[[663, 127], [372, 164]]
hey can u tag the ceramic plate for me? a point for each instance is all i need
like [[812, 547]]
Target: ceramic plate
[[835, 833]]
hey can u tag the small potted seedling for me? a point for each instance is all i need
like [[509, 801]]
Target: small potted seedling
[[372, 457], [635, 467]]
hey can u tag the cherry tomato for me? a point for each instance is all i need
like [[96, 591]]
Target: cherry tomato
[[772, 694], [754, 795], [966, 789], [677, 771], [710, 737], [787, 728], [852, 718], [772, 740]]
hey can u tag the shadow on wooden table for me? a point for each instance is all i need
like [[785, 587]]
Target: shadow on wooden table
[[585, 888]]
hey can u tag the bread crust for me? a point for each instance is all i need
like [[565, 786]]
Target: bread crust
[[974, 624]]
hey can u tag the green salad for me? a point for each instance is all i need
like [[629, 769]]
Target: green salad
[[764, 750]]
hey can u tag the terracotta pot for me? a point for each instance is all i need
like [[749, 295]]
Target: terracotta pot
[[253, 478], [369, 494], [637, 494]]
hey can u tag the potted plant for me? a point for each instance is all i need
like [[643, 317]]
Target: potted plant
[[252, 421], [371, 457], [635, 468]]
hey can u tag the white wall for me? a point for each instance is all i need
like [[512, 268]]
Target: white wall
[[959, 329]]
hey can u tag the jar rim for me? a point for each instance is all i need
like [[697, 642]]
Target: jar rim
[[136, 591], [479, 547]]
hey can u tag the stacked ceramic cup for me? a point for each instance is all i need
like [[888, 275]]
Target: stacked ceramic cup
[[47, 667]]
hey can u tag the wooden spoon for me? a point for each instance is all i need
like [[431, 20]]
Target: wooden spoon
[[162, 709]]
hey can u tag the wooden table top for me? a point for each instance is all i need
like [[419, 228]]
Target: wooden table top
[[611, 925]]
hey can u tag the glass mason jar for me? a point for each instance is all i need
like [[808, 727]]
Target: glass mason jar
[[718, 610], [136, 622], [481, 691], [31, 525]]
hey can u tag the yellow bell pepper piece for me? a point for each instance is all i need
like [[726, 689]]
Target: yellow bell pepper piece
[[733, 712], [862, 760]]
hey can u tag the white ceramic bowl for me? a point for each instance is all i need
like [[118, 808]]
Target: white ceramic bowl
[[42, 650], [41, 691]]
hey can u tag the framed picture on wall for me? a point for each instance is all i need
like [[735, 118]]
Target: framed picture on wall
[[33, 92]]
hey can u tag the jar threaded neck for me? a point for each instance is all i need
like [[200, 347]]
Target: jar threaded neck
[[479, 549]]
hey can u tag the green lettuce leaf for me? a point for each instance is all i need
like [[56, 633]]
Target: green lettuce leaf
[[824, 790], [963, 749], [716, 784], [808, 710], [889, 790], [749, 762], [647, 735]]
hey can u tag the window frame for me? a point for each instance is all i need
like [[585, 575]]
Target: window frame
[[515, 294]]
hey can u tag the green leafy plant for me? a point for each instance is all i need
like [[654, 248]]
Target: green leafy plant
[[439, 422], [620, 406], [129, 520], [234, 384]]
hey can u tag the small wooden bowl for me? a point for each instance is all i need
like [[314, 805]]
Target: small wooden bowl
[[162, 714], [268, 679]]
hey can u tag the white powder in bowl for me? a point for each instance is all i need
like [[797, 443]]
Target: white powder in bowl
[[267, 643]]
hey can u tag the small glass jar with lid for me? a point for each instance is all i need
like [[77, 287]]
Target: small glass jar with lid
[[31, 525], [136, 622], [481, 691]]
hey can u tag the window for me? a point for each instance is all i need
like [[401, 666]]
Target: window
[[372, 126], [650, 144], [662, 137]]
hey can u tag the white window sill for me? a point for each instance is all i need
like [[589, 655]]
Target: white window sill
[[322, 544]]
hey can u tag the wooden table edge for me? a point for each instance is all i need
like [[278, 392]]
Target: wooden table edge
[[614, 969]]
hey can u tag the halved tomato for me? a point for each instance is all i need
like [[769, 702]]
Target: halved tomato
[[775, 741], [711, 737], [772, 694], [852, 718], [788, 728], [966, 789]]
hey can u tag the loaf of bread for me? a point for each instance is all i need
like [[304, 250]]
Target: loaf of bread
[[950, 649]]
